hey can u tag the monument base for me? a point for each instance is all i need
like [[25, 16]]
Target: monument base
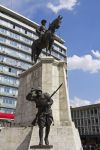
[[48, 74], [61, 137], [26, 138], [44, 147]]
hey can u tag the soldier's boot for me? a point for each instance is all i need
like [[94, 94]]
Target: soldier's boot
[[46, 141], [41, 142], [41, 136], [47, 130]]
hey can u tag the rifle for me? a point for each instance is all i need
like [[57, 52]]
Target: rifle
[[56, 90]]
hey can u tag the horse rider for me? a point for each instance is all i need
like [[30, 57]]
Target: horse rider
[[41, 30]]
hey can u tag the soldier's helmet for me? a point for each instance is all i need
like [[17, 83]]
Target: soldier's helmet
[[43, 21], [38, 90]]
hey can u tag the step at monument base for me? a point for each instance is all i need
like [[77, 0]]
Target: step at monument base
[[61, 137]]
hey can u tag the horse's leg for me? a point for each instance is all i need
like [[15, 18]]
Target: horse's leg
[[50, 47], [35, 58], [47, 48], [34, 55], [46, 51], [38, 53], [34, 49]]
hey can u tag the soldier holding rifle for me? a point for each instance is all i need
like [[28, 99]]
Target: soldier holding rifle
[[44, 116]]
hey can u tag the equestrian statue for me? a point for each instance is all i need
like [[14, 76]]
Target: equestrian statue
[[46, 38]]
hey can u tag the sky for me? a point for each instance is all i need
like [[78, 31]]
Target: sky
[[80, 30]]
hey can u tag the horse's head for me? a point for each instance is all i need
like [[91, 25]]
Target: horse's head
[[55, 23]]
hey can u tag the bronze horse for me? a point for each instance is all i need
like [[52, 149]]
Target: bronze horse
[[46, 41]]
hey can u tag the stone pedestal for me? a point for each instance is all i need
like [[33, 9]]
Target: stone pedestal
[[48, 74], [61, 137]]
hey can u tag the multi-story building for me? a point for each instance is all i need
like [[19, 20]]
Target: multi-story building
[[16, 36], [87, 120]]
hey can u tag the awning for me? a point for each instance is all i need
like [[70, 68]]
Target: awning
[[7, 116]]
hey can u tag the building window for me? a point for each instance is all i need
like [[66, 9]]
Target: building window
[[9, 101], [85, 121], [3, 30], [81, 114], [13, 43], [96, 121], [9, 69], [2, 39], [25, 31], [88, 112], [92, 121], [81, 121], [89, 121], [93, 130], [13, 26], [92, 112], [97, 130], [1, 58], [95, 111]]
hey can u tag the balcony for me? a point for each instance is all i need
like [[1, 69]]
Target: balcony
[[8, 95], [8, 73], [5, 105], [8, 84]]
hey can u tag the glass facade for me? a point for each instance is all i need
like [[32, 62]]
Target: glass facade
[[87, 119], [16, 37]]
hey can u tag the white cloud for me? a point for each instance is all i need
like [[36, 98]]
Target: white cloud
[[29, 7], [26, 7], [96, 53], [77, 102], [62, 4], [97, 101], [84, 63]]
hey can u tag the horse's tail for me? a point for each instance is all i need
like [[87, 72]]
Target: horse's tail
[[34, 50]]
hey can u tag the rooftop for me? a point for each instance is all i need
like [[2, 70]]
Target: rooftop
[[86, 106]]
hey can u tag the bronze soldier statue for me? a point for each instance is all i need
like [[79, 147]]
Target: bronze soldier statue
[[44, 116]]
